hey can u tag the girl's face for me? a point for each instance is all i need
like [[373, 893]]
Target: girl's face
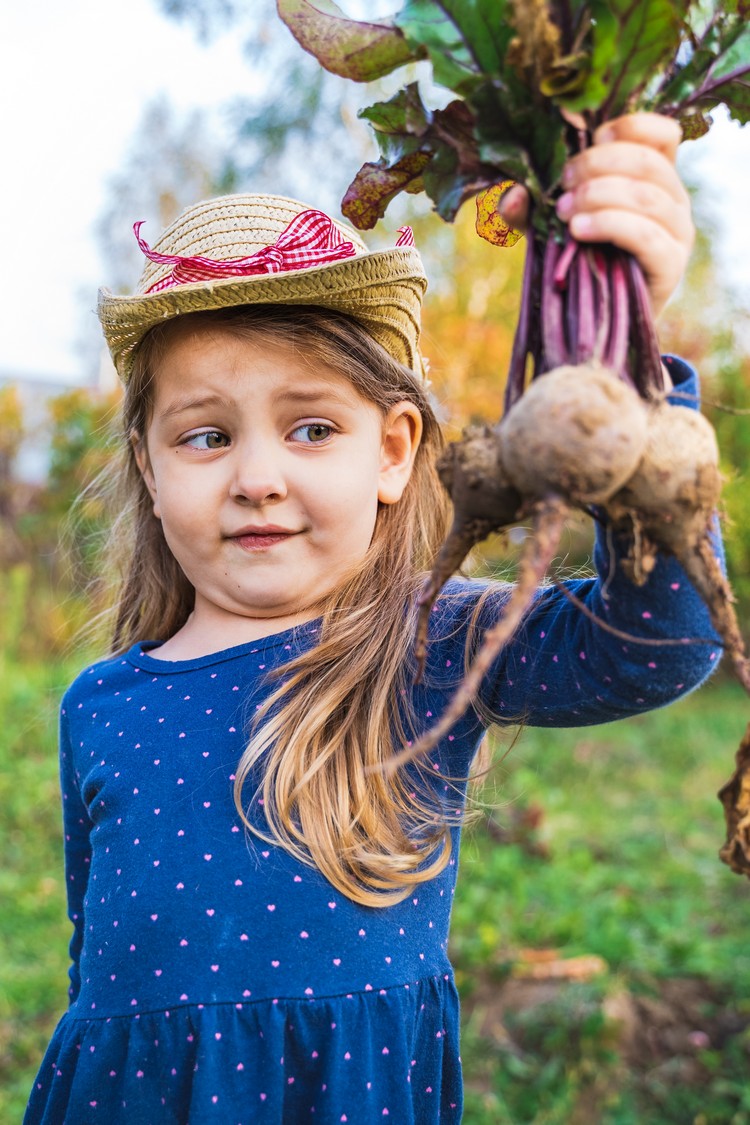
[[266, 472]]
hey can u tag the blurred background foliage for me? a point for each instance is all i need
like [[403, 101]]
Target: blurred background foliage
[[469, 319], [604, 848], [293, 107]]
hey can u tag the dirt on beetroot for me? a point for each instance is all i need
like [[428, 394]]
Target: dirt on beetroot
[[533, 85]]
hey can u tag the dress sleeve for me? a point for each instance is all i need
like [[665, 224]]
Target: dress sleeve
[[563, 669], [77, 827]]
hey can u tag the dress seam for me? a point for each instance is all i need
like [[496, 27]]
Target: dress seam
[[248, 1003]]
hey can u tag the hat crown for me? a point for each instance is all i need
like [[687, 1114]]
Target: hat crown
[[211, 243], [228, 227]]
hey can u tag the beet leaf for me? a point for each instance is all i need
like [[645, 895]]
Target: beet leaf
[[426, 27], [526, 73], [533, 80], [718, 70], [349, 48], [630, 39]]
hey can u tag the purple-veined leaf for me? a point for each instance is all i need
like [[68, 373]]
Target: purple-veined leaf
[[456, 172], [486, 30], [717, 71], [735, 55], [722, 47], [350, 48], [631, 39], [508, 158], [403, 115], [515, 139], [454, 126], [447, 188], [375, 185], [728, 80], [431, 151], [403, 125], [735, 95], [425, 24]]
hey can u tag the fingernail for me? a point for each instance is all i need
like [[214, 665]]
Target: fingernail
[[565, 205], [581, 225], [568, 176]]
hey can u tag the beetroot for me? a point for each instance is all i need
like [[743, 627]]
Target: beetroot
[[585, 422]]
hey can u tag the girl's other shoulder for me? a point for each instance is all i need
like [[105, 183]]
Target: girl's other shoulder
[[104, 675]]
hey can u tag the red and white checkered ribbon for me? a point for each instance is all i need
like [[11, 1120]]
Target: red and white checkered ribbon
[[310, 239]]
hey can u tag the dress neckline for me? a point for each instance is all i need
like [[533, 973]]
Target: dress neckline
[[294, 638]]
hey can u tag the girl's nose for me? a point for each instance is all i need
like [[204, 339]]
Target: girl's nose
[[258, 477]]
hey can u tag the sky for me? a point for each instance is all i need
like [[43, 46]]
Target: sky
[[74, 79]]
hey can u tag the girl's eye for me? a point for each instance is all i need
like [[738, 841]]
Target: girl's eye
[[210, 439], [312, 432]]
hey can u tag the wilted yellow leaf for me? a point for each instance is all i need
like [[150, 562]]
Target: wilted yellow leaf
[[490, 223]]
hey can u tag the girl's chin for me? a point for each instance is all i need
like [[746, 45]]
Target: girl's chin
[[240, 615]]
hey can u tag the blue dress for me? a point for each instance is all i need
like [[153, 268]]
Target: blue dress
[[215, 980]]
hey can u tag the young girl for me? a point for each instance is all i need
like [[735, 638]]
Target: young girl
[[261, 911]]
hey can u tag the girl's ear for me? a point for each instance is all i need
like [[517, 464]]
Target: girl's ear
[[144, 465], [402, 433]]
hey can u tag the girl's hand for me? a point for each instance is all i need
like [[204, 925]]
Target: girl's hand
[[625, 189]]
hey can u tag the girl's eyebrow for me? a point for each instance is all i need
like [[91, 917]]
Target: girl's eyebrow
[[311, 394], [315, 393], [197, 402]]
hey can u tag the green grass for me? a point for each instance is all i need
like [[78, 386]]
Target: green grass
[[34, 930], [632, 827]]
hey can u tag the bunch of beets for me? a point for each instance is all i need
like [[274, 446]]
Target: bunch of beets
[[585, 423]]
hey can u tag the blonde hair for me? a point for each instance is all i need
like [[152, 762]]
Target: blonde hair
[[337, 712]]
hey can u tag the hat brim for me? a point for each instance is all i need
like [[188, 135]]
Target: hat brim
[[383, 290]]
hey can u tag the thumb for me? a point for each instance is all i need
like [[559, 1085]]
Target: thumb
[[514, 207]]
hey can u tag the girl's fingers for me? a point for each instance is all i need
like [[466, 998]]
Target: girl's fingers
[[639, 197], [662, 257], [652, 129], [514, 207], [629, 159], [625, 189]]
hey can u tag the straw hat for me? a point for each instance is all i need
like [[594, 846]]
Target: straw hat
[[247, 250]]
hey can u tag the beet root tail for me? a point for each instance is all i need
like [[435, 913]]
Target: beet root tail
[[548, 518], [461, 538], [702, 568], [483, 500], [735, 797]]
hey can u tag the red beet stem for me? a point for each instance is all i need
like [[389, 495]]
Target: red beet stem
[[539, 549], [616, 354], [553, 335], [582, 303], [564, 262], [647, 375], [586, 310], [572, 309], [601, 280], [517, 371]]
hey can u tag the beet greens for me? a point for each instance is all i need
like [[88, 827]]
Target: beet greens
[[533, 80]]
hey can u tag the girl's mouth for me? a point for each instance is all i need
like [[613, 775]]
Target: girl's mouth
[[258, 538], [256, 542]]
